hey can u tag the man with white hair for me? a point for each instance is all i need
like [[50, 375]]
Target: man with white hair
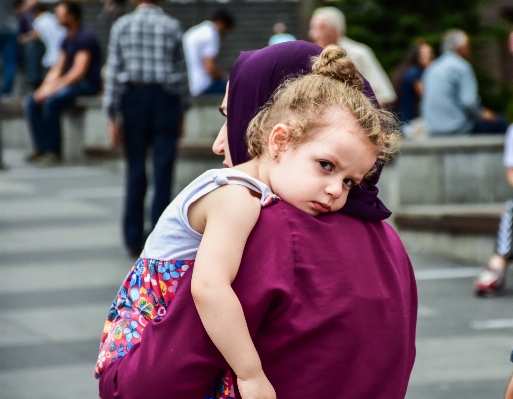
[[450, 102], [328, 26]]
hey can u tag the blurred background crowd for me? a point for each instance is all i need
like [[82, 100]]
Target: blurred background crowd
[[394, 31], [444, 67]]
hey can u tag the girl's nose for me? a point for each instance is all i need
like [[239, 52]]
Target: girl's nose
[[334, 190]]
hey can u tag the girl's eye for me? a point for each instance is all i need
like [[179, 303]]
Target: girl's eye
[[349, 182], [326, 165], [221, 111]]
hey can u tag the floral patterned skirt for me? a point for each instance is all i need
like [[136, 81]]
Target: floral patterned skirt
[[145, 295]]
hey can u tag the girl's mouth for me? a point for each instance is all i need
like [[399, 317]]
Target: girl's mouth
[[320, 207]]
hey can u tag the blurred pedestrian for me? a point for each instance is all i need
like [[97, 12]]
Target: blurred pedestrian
[[146, 93], [201, 45], [32, 48], [407, 81], [41, 44], [492, 280], [77, 73], [280, 34], [8, 32], [450, 102], [328, 26], [112, 9], [50, 32]]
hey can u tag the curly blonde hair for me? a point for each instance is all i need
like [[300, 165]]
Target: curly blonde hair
[[301, 102]]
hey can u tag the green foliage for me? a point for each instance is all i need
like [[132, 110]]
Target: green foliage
[[390, 27], [494, 95]]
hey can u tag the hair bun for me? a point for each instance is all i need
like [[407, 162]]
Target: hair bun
[[334, 63]]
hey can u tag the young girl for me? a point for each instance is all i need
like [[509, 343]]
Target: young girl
[[316, 138]]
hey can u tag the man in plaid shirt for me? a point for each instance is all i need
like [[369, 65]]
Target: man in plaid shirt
[[146, 93]]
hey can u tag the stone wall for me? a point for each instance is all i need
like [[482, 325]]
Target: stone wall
[[447, 194], [254, 22]]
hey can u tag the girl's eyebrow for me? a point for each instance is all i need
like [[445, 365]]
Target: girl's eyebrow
[[333, 159]]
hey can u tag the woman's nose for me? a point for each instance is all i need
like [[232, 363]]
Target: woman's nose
[[218, 146]]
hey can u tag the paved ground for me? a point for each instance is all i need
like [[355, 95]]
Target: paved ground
[[61, 262]]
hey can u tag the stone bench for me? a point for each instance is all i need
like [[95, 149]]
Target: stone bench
[[454, 219], [463, 231], [84, 127], [81, 124], [452, 170], [202, 123], [447, 194]]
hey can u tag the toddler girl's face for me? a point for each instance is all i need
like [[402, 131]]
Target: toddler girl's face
[[316, 176]]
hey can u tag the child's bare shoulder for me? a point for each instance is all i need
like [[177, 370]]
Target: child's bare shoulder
[[232, 203], [235, 200]]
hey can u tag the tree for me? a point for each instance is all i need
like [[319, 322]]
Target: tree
[[390, 27]]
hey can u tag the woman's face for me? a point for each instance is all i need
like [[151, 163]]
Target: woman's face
[[220, 146], [425, 55]]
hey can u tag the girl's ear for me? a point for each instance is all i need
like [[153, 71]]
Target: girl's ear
[[278, 139]]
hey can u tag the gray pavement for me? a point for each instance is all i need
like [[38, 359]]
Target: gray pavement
[[61, 263]]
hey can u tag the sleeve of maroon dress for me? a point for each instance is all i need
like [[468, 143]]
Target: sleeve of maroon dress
[[176, 358]]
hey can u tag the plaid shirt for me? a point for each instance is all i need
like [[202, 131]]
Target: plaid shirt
[[145, 46]]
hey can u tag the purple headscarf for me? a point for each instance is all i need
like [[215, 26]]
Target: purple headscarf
[[254, 77]]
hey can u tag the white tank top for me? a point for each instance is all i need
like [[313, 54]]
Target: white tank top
[[173, 238]]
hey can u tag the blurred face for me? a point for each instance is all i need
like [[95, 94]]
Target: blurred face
[[220, 146], [222, 28], [61, 13], [425, 55], [321, 33], [316, 176], [464, 50]]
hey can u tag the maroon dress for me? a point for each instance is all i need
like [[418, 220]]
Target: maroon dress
[[330, 302]]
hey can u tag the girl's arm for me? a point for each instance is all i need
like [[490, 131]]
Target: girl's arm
[[226, 216]]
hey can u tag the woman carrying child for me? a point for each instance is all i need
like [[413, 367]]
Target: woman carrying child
[[311, 158]]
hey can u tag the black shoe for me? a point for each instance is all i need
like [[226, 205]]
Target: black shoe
[[34, 157], [49, 160]]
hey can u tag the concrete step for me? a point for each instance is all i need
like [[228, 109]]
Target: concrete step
[[465, 232], [447, 194], [452, 218]]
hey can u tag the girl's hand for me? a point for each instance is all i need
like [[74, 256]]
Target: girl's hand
[[257, 387]]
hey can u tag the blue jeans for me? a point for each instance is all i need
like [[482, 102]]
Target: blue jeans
[[151, 117], [45, 118], [8, 50], [217, 87], [500, 125], [33, 53]]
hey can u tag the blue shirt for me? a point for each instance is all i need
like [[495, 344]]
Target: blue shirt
[[84, 40], [450, 103], [409, 106], [281, 38]]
